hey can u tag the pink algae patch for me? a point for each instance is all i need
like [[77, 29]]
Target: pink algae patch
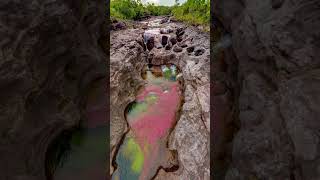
[[156, 122]]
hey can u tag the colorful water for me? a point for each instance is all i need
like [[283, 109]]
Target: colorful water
[[150, 119]]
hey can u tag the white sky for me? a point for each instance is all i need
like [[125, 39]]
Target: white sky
[[163, 2]]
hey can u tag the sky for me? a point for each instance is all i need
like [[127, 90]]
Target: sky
[[163, 2]]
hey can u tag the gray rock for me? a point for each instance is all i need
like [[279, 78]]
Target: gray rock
[[173, 40], [150, 43], [125, 80], [168, 46], [118, 26], [190, 137], [52, 64], [183, 45], [198, 51], [278, 75], [166, 30], [190, 49], [177, 48]]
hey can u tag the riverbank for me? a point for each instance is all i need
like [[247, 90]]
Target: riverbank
[[160, 41], [120, 24]]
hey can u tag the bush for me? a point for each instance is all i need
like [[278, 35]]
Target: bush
[[134, 9], [196, 12]]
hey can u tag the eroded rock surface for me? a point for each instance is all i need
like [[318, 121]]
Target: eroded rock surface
[[127, 58], [50, 58], [190, 136], [276, 46]]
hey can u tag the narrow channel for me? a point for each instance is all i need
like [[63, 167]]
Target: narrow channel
[[150, 118]]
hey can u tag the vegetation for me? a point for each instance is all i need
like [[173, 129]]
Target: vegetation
[[196, 12], [134, 9]]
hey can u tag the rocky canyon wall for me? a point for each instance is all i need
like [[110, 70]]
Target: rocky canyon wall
[[49, 62], [276, 46]]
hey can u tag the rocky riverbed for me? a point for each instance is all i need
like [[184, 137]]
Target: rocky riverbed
[[158, 42]]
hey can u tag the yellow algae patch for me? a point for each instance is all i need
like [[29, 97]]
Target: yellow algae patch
[[133, 152]]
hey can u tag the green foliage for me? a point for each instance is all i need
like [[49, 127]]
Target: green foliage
[[196, 12], [154, 10], [134, 9]]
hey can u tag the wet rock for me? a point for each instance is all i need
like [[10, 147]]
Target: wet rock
[[176, 48]]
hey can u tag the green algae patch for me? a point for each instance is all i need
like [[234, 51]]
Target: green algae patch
[[137, 108], [133, 152]]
